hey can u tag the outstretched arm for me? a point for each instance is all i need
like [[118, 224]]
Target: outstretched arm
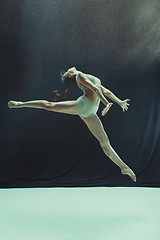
[[110, 95], [123, 103]]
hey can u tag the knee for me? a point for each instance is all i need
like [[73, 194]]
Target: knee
[[51, 106], [105, 143], [47, 105]]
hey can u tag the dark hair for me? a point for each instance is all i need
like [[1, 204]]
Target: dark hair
[[69, 82]]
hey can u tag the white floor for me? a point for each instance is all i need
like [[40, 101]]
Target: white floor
[[80, 214]]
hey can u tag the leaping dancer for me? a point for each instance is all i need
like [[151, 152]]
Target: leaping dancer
[[86, 106]]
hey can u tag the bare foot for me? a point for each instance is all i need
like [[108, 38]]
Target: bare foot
[[14, 104], [129, 172]]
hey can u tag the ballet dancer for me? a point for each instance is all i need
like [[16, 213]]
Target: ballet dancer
[[86, 107]]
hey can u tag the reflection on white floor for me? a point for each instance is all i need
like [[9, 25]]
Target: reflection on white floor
[[80, 214]]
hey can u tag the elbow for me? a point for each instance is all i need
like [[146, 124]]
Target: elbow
[[96, 90]]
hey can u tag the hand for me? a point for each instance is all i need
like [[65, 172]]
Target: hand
[[124, 105], [106, 109]]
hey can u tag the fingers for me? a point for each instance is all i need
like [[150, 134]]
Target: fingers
[[106, 109], [104, 112], [125, 109], [126, 101], [125, 105]]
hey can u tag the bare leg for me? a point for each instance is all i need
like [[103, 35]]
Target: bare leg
[[68, 107], [95, 126]]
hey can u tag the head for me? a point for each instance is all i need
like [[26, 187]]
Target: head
[[69, 77]]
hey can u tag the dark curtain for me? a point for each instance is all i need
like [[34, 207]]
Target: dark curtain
[[115, 40]]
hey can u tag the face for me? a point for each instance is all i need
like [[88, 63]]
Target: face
[[71, 71]]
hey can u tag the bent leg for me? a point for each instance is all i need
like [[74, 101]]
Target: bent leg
[[68, 107], [95, 126]]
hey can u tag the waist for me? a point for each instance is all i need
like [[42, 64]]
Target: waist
[[92, 97]]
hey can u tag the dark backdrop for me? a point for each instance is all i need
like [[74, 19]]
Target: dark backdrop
[[115, 40]]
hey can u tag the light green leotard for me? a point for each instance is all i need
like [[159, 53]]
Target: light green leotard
[[84, 105]]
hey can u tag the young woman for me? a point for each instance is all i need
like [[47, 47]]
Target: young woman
[[86, 107]]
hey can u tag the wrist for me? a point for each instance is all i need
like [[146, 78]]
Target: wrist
[[106, 104], [120, 102]]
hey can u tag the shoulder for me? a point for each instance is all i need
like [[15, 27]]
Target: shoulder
[[92, 78], [81, 75]]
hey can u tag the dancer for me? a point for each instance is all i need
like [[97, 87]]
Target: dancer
[[86, 107]]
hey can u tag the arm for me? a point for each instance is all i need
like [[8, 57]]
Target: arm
[[110, 95], [86, 82], [123, 104]]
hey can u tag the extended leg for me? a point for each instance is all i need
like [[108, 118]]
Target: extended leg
[[62, 107], [95, 126]]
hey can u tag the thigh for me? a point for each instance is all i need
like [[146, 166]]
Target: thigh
[[85, 107], [64, 107], [96, 127]]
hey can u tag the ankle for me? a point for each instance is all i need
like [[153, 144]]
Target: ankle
[[20, 104], [124, 167]]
